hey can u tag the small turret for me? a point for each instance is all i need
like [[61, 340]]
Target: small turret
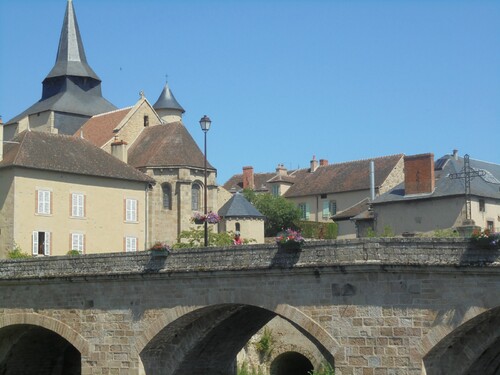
[[167, 107]]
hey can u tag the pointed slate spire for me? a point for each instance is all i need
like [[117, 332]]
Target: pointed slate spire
[[71, 59], [167, 101]]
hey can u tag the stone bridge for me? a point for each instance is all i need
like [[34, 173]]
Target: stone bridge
[[368, 307]]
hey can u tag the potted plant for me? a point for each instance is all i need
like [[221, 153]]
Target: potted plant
[[486, 239], [210, 218], [290, 239]]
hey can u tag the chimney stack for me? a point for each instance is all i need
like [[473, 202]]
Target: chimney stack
[[248, 178], [314, 164], [323, 162], [119, 150], [419, 174], [455, 154], [281, 170]]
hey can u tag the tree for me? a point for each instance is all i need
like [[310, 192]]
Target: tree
[[280, 212]]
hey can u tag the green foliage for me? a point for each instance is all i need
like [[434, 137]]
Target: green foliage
[[244, 370], [445, 233], [196, 238], [324, 369], [370, 233], [73, 253], [17, 253], [311, 229], [265, 345], [280, 213]]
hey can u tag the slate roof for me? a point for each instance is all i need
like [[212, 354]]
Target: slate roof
[[71, 87], [99, 129], [260, 181], [166, 145], [239, 206], [352, 211], [63, 153], [167, 100], [487, 186], [342, 177]]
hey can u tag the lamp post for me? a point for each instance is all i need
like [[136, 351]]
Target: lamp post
[[205, 123]]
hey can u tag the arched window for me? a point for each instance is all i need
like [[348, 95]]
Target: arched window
[[237, 227], [167, 196], [195, 197]]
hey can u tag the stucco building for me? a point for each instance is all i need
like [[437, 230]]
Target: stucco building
[[432, 197], [60, 193]]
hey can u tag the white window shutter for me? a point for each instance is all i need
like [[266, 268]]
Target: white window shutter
[[46, 247], [34, 249]]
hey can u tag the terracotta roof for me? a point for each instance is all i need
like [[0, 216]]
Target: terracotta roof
[[99, 129], [260, 181], [166, 145], [341, 177], [283, 178], [68, 154]]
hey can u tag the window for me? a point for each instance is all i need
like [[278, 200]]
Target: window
[[77, 242], [195, 197], [237, 227], [130, 244], [77, 205], [41, 243], [482, 206], [490, 226], [326, 210], [333, 208], [146, 120], [167, 196], [43, 202], [276, 190], [131, 210], [304, 211]]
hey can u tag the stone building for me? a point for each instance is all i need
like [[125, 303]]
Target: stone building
[[60, 193], [326, 191], [428, 199], [71, 91]]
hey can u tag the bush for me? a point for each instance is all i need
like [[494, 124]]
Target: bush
[[265, 345], [17, 253], [311, 229], [196, 238], [73, 253]]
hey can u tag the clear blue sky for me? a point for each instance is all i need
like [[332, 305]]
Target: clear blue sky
[[283, 80]]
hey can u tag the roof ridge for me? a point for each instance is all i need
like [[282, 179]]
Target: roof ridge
[[366, 159], [113, 111]]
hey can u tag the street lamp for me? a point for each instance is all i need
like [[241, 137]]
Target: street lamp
[[205, 123]]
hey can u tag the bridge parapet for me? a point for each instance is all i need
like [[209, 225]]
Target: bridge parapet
[[384, 252]]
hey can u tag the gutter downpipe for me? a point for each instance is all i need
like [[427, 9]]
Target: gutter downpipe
[[372, 180]]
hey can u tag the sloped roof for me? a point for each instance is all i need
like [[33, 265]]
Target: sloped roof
[[239, 206], [260, 181], [342, 177], [99, 129], [486, 186], [63, 153], [356, 209], [166, 145]]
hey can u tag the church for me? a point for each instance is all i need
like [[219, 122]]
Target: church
[[151, 138]]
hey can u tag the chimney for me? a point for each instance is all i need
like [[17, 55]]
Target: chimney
[[248, 178], [323, 162], [281, 170], [314, 164], [119, 150], [419, 174], [455, 154]]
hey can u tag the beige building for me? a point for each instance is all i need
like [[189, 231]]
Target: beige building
[[432, 197], [60, 193], [325, 191]]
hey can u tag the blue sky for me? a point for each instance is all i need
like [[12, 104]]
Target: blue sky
[[283, 80]]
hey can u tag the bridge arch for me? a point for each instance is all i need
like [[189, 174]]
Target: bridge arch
[[472, 348], [184, 338], [51, 324]]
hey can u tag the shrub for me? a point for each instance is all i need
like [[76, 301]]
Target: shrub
[[265, 345], [311, 229], [17, 253], [73, 253]]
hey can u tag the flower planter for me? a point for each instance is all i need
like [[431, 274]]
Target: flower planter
[[290, 246], [199, 221]]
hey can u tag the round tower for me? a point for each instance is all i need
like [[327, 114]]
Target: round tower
[[167, 107]]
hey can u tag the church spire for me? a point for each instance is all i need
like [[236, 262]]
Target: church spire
[[167, 107], [71, 59]]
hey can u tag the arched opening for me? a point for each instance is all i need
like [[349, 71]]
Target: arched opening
[[237, 227], [473, 348], [207, 341], [30, 349], [291, 363], [196, 197], [166, 190]]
